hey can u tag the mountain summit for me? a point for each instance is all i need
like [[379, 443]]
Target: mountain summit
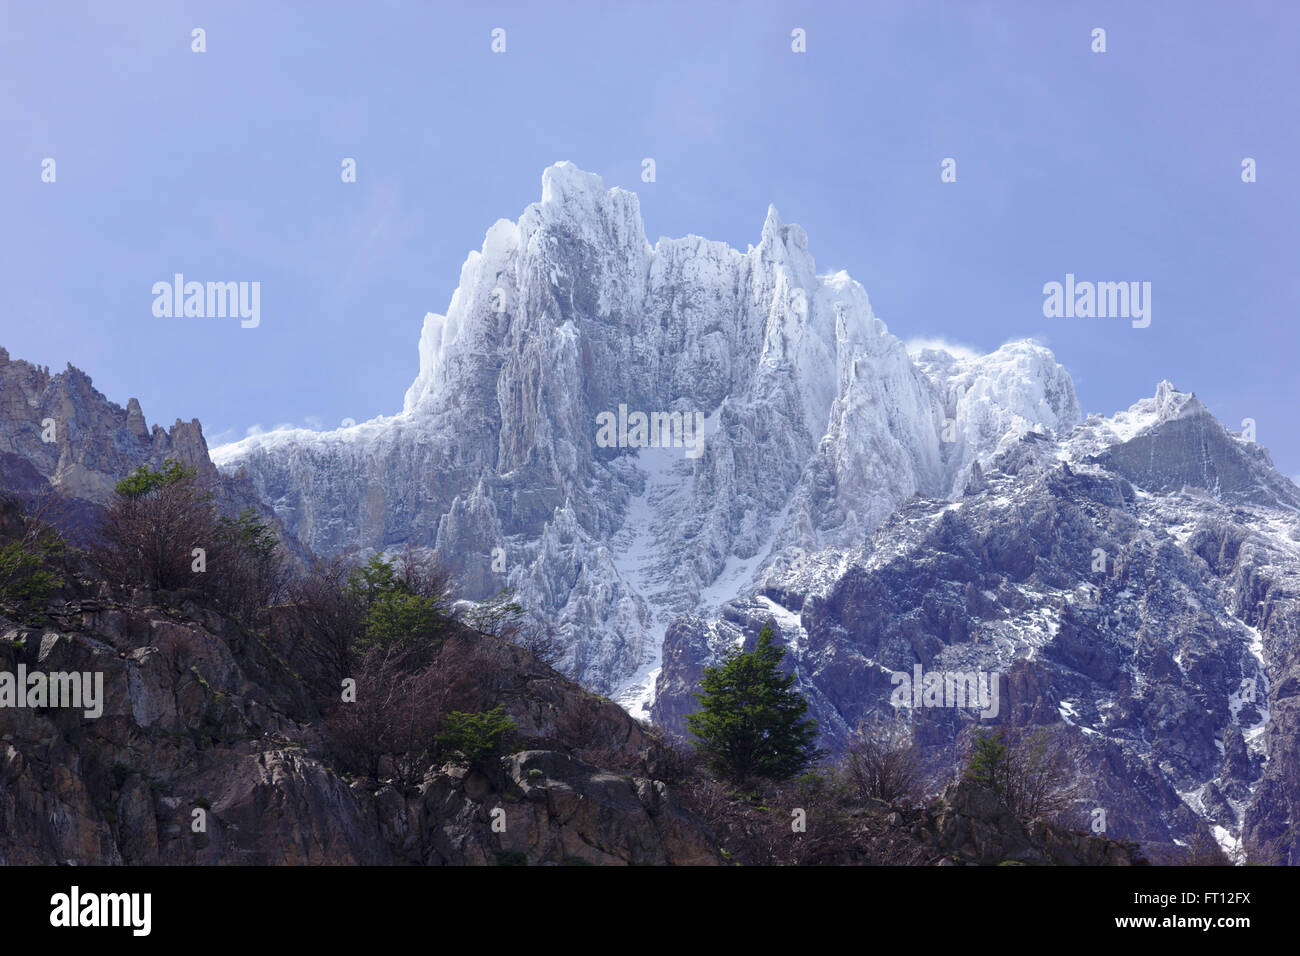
[[817, 423]]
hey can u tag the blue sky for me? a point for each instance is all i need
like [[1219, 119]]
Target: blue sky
[[225, 166]]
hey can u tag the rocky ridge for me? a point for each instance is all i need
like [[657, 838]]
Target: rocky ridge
[[93, 444], [1134, 580]]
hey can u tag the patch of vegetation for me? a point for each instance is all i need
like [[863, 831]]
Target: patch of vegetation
[[1031, 777], [476, 739], [400, 604], [29, 563]]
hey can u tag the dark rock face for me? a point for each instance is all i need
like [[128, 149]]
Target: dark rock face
[[1192, 450], [204, 720], [557, 809], [1138, 599]]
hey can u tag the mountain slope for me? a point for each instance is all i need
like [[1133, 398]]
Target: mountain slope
[[1134, 581]]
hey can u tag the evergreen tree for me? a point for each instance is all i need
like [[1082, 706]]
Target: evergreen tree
[[988, 764], [751, 724]]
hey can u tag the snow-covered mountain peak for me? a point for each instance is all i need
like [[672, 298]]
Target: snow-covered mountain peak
[[801, 423], [576, 197], [1167, 404], [778, 235], [1171, 443], [988, 402], [564, 182]]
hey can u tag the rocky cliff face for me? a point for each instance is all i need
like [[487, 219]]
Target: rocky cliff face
[[1134, 581], [815, 423], [201, 715], [78, 441], [65, 445]]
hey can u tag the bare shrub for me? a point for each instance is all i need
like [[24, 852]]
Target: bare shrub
[[390, 726], [810, 821], [881, 762], [1201, 850], [503, 617], [500, 616], [422, 575], [245, 566], [152, 526], [1258, 851], [542, 641], [162, 530], [330, 620]]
